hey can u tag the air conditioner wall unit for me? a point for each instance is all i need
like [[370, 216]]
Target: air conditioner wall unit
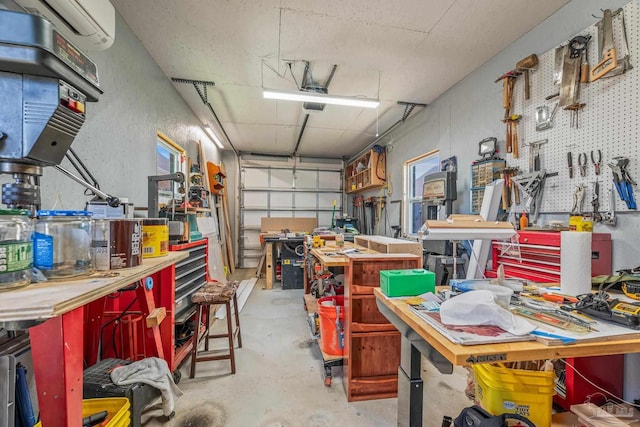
[[88, 24]]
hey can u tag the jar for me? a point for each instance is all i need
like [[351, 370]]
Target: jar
[[16, 249], [62, 243], [100, 245], [339, 239]]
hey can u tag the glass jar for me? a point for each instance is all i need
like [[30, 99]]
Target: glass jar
[[16, 249], [62, 243]]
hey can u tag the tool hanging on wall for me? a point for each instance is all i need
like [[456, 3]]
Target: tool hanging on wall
[[508, 81], [512, 134], [510, 191], [609, 218], [575, 111], [595, 202], [570, 164], [622, 181], [534, 155], [544, 119], [526, 65], [622, 54], [596, 160], [578, 200], [532, 185], [582, 164], [608, 58]]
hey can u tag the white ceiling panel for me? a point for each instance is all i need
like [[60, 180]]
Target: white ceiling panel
[[410, 51]]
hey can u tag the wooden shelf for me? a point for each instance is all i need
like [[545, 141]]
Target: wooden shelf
[[367, 172]]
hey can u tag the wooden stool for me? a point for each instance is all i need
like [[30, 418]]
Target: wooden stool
[[214, 293]]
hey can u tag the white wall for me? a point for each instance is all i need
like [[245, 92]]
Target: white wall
[[118, 140], [471, 111]]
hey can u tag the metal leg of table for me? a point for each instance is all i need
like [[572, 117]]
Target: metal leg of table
[[57, 351], [410, 386]]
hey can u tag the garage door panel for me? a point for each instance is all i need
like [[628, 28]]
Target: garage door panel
[[281, 178], [258, 199], [329, 180], [255, 178], [252, 218], [271, 191], [306, 179], [325, 200], [281, 200], [307, 200]]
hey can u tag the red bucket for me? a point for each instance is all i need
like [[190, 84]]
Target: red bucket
[[331, 315]]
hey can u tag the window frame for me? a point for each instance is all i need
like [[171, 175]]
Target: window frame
[[179, 155], [408, 186]]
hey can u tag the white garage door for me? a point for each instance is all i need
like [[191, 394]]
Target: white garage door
[[281, 189]]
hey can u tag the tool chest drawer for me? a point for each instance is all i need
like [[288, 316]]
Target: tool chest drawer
[[537, 257], [191, 275]]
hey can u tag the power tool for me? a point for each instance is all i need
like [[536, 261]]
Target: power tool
[[600, 306]]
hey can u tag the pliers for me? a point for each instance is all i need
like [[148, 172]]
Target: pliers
[[582, 163], [598, 162]]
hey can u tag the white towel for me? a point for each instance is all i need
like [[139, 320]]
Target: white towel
[[154, 372]]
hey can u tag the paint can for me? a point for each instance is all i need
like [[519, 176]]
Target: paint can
[[126, 243], [155, 237]]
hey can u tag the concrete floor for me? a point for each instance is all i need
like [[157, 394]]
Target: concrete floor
[[279, 379]]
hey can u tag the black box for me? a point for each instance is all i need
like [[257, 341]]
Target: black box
[[292, 273], [96, 383]]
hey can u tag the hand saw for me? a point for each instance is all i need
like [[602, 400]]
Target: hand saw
[[609, 56]]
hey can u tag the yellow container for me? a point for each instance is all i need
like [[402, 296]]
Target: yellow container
[[155, 237], [117, 408], [580, 223], [501, 390]]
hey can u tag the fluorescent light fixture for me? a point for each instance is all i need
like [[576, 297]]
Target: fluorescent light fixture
[[213, 136], [320, 98]]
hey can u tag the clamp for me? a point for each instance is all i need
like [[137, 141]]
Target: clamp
[[582, 163], [596, 160]]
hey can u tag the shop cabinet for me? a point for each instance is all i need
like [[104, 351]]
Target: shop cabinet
[[537, 257], [372, 343], [483, 173], [367, 172]]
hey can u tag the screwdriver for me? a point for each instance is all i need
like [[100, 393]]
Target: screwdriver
[[570, 164]]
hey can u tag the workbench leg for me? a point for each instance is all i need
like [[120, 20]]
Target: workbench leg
[[57, 350], [271, 266], [410, 386]]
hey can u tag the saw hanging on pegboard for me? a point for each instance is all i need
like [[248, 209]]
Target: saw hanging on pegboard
[[583, 101]]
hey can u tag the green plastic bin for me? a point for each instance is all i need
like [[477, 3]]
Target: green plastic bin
[[407, 283]]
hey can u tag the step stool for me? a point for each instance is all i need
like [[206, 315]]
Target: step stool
[[215, 293]]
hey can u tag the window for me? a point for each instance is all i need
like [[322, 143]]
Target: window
[[414, 172], [169, 159]]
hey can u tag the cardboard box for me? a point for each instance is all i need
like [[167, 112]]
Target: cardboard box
[[401, 283]]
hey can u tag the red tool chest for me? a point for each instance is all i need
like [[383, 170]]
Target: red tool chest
[[538, 257]]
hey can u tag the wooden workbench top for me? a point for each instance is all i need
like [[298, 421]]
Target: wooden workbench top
[[508, 352], [328, 255], [40, 301]]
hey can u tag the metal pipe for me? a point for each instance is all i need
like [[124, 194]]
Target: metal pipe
[[304, 125], [114, 202]]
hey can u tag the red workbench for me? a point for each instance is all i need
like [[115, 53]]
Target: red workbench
[[54, 313]]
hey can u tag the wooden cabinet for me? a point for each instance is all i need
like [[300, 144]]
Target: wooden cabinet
[[366, 172], [372, 344]]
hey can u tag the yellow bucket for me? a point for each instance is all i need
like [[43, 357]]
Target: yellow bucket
[[117, 408], [501, 390]]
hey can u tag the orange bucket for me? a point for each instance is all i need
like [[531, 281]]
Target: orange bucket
[[331, 315]]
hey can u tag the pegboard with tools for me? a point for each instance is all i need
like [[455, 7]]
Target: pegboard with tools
[[609, 121]]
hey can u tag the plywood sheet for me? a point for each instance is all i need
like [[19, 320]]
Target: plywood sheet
[[293, 224]]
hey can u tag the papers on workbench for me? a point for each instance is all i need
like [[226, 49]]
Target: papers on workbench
[[469, 334]]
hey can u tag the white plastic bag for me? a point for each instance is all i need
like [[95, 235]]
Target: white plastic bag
[[480, 308]]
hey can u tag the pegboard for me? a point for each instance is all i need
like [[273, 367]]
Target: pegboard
[[610, 121]]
